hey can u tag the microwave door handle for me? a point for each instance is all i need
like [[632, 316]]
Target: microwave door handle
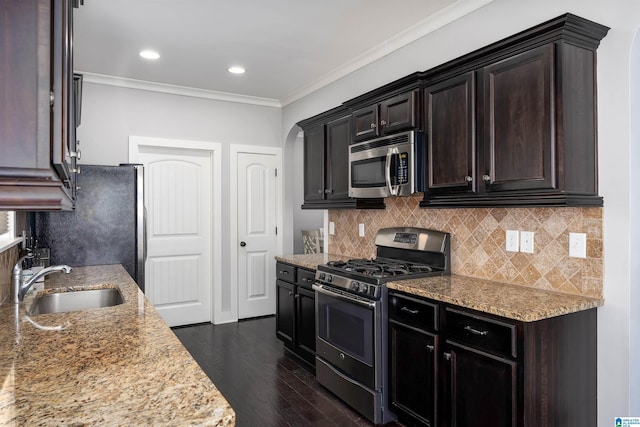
[[392, 165], [387, 171]]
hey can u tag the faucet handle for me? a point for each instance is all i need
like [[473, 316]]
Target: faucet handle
[[18, 266]]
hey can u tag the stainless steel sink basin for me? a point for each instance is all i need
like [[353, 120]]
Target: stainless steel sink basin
[[62, 302]]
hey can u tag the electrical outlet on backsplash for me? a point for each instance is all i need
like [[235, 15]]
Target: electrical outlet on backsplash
[[478, 237]]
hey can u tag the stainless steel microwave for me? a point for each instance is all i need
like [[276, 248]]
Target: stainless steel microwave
[[387, 166]]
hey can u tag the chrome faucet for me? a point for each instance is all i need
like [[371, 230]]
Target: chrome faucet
[[21, 287]]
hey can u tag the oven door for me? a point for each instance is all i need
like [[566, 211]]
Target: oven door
[[346, 328]]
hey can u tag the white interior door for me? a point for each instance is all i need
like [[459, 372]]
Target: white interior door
[[178, 200], [256, 233]]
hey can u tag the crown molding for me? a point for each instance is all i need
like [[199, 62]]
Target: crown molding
[[103, 79], [421, 29]]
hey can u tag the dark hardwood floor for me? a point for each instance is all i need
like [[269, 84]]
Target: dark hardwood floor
[[265, 385]]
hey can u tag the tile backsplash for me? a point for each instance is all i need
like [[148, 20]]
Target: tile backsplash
[[478, 241]]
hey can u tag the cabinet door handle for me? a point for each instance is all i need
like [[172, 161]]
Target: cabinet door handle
[[486, 178], [328, 191], [373, 125], [408, 310], [431, 348], [290, 293], [383, 122], [447, 356], [475, 331], [468, 178]]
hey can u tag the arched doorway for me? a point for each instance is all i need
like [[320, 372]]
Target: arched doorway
[[300, 219]]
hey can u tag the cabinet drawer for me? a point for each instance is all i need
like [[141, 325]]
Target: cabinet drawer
[[482, 333], [305, 278], [413, 312], [286, 272]]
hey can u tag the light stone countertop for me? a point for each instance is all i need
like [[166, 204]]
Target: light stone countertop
[[515, 302], [118, 365]]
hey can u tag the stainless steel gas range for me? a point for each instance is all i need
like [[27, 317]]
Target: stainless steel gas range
[[351, 314]]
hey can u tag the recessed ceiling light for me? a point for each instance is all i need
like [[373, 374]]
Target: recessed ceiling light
[[149, 54], [236, 70]]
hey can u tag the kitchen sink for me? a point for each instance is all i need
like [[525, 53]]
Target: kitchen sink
[[62, 302]]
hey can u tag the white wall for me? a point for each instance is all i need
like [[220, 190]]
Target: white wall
[[634, 197], [111, 114], [495, 21]]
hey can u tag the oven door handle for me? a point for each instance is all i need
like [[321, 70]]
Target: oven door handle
[[321, 289]]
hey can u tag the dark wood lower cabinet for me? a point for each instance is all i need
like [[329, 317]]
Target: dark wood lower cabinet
[[481, 388], [487, 370], [296, 311], [411, 362], [306, 323], [285, 311]]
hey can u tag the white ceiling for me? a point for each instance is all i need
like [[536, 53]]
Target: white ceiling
[[289, 47]]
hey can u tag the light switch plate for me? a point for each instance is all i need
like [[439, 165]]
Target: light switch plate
[[578, 245], [361, 230], [332, 228], [513, 241], [526, 242]]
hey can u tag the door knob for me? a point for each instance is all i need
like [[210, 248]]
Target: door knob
[[243, 244]]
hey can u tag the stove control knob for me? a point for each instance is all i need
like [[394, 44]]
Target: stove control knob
[[364, 288], [355, 285], [329, 278], [321, 276]]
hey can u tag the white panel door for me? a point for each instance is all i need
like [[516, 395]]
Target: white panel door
[[178, 269], [257, 220]]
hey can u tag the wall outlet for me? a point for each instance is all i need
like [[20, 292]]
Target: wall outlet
[[513, 241], [332, 228], [361, 230], [526, 242], [578, 245]]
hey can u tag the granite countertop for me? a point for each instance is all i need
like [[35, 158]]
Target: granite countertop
[[118, 365], [511, 301], [311, 261]]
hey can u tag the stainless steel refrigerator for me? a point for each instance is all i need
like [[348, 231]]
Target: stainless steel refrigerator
[[107, 226]]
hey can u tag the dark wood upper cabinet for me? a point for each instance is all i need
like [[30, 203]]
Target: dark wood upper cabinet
[[511, 124], [529, 136], [337, 178], [519, 144], [388, 116], [450, 135], [326, 163], [365, 123], [314, 161], [37, 122]]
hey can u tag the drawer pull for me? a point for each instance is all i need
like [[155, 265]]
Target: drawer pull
[[447, 356], [431, 348], [408, 310], [475, 331], [284, 272]]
